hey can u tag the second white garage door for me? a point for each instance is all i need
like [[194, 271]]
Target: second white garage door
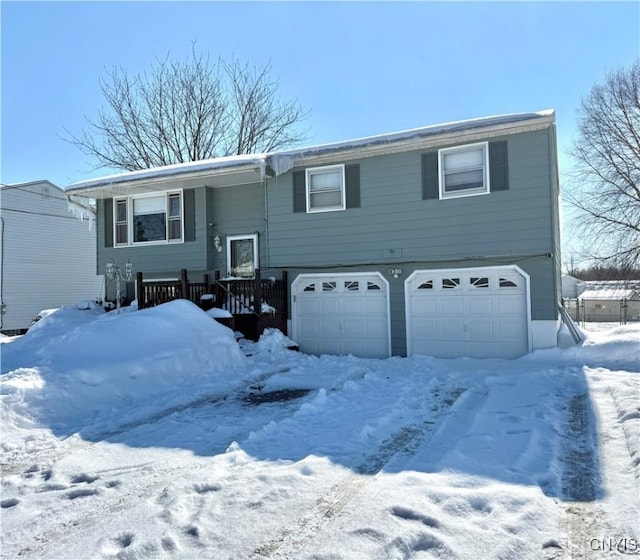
[[341, 314], [476, 312]]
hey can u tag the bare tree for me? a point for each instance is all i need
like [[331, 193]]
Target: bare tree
[[605, 185], [188, 110]]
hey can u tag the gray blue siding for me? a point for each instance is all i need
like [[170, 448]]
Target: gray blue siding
[[236, 210], [395, 225]]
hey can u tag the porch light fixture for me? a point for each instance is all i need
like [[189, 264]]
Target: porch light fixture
[[114, 272], [395, 272], [216, 239], [217, 243]]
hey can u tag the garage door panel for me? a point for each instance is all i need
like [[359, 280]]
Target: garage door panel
[[308, 306], [481, 330], [510, 304], [480, 304], [428, 327], [510, 330], [452, 305], [375, 306], [425, 306], [328, 306], [452, 329]]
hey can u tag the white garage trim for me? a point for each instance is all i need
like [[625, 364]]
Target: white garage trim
[[304, 279], [487, 278]]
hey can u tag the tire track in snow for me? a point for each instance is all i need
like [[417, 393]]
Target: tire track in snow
[[591, 534], [32, 461], [403, 443], [579, 477]]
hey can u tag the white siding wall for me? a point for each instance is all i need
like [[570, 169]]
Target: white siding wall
[[48, 255]]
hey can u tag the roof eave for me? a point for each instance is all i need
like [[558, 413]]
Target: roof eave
[[418, 141], [223, 177]]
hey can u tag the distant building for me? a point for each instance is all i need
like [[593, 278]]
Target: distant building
[[47, 255], [602, 301]]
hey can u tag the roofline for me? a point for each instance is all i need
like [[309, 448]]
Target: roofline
[[203, 168], [28, 184], [281, 162], [421, 138]]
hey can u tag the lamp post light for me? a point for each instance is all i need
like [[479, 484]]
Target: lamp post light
[[114, 272]]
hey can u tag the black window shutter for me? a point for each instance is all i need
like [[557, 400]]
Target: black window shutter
[[352, 187], [108, 222], [430, 188], [299, 192], [498, 167], [189, 202]]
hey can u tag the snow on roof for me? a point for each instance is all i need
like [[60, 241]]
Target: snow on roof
[[29, 184], [282, 161], [613, 293], [221, 163], [431, 130]]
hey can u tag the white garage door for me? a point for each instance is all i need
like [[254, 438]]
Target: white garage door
[[476, 312], [341, 314]]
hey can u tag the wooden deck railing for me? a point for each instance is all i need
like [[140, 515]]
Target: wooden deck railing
[[241, 297]]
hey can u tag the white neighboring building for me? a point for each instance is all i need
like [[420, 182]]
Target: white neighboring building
[[571, 287], [47, 254]]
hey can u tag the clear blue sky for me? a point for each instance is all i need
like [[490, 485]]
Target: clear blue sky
[[362, 68]]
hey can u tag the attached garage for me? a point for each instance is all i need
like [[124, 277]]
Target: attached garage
[[341, 314], [475, 312]]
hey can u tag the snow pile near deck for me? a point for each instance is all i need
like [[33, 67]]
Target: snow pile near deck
[[76, 368]]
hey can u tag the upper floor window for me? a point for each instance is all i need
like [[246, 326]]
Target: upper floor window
[[464, 170], [154, 218], [325, 188]]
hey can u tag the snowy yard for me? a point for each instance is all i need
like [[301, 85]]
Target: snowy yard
[[155, 435]]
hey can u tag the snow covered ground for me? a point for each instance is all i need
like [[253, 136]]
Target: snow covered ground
[[155, 435]]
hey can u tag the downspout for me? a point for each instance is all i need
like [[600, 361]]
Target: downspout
[[1, 272], [266, 223]]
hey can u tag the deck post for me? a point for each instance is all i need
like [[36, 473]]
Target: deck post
[[140, 290], [257, 293], [285, 298], [184, 283]]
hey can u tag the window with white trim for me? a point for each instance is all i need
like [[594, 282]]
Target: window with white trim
[[122, 222], [145, 219], [464, 170], [325, 188], [242, 255]]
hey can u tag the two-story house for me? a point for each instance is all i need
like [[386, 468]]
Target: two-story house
[[442, 240]]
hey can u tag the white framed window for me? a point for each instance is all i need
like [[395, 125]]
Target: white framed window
[[242, 255], [145, 219], [121, 221], [325, 188], [464, 170]]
